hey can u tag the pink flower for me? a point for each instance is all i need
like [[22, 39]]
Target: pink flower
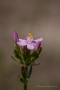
[[29, 42]]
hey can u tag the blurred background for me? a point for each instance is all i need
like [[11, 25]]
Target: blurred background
[[42, 19]]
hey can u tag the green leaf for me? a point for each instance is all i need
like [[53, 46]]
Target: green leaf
[[21, 79], [36, 64], [29, 72], [18, 53], [15, 59]]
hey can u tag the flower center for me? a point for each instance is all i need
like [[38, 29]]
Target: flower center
[[29, 42], [30, 38], [30, 35]]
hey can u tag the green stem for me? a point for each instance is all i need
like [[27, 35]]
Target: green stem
[[25, 87], [25, 79]]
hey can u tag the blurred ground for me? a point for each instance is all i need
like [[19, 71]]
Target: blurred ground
[[42, 19]]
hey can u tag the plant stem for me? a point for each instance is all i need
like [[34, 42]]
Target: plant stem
[[25, 79], [25, 87]]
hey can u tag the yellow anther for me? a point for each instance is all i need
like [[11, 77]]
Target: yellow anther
[[30, 35]]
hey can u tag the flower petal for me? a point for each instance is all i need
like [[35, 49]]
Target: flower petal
[[39, 40], [21, 39], [30, 46], [34, 42], [27, 37], [22, 43]]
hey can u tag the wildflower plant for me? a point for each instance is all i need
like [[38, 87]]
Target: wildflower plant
[[26, 51]]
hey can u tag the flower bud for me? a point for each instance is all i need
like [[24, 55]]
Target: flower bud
[[15, 37], [23, 50], [38, 46], [22, 68]]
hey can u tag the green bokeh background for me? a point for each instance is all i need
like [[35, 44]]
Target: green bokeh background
[[42, 19]]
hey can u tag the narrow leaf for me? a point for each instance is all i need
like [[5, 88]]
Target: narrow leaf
[[29, 72], [15, 59]]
